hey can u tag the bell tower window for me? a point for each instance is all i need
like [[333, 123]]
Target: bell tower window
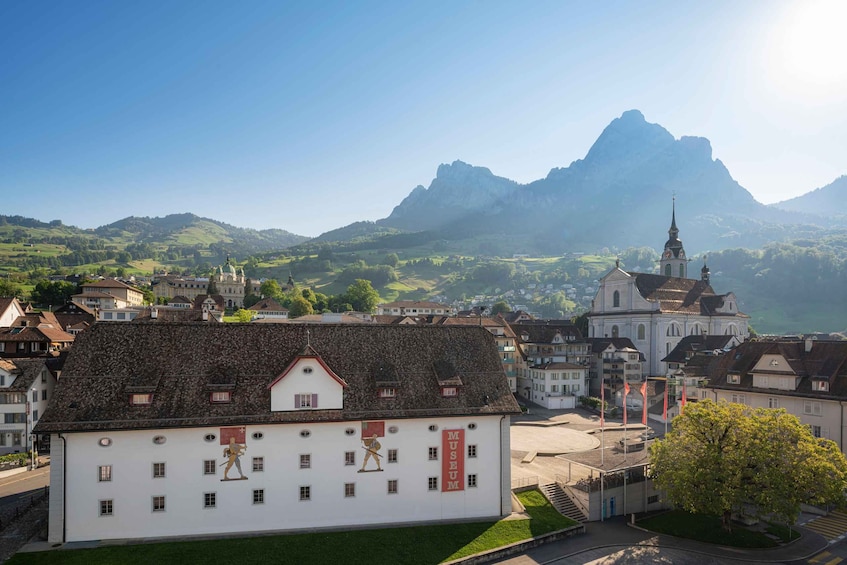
[[616, 299]]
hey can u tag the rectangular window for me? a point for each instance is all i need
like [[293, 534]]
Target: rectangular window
[[222, 396], [816, 431], [140, 399], [349, 457], [158, 504], [733, 379], [392, 456], [449, 391], [813, 408], [15, 418], [472, 481], [158, 470], [305, 460], [387, 392], [210, 499], [773, 402], [304, 401], [392, 486], [738, 399], [433, 454], [44, 394], [35, 396], [34, 415], [104, 473], [258, 464], [653, 499], [305, 493], [106, 507], [259, 496], [820, 386], [433, 483], [210, 467], [349, 490]]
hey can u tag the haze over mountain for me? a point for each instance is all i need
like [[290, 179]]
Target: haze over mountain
[[829, 200], [620, 194]]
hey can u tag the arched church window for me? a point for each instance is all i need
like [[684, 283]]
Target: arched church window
[[673, 330], [614, 331], [616, 299], [641, 331], [668, 270]]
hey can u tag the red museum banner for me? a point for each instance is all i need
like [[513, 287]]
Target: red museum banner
[[453, 462]]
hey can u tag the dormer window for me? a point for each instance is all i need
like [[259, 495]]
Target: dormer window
[[820, 386], [447, 391], [221, 397], [140, 399], [387, 392], [305, 400], [733, 379]]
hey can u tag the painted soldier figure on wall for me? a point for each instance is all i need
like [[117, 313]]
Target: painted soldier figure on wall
[[371, 447], [233, 453]]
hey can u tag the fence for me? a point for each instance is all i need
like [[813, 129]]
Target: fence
[[11, 512], [524, 483]]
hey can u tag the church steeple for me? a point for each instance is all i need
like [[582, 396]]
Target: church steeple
[[674, 263]]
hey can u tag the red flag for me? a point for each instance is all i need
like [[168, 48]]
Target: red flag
[[684, 399], [239, 434], [665, 407], [644, 396], [625, 392], [369, 429], [602, 402]]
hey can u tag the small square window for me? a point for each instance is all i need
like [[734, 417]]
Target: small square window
[[392, 456], [140, 399], [210, 499], [433, 483], [158, 470], [349, 457], [387, 392], [471, 481], [392, 486], [106, 507], [210, 467], [349, 490], [305, 460], [222, 396], [258, 464], [104, 473], [449, 391], [158, 504], [433, 454], [471, 451], [305, 493], [259, 496]]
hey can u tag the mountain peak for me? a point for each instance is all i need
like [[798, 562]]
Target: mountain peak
[[626, 136]]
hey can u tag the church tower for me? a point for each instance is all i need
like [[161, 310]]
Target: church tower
[[674, 263]]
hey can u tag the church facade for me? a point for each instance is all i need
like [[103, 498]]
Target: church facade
[[657, 311]]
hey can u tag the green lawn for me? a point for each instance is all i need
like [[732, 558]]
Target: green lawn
[[395, 546], [708, 529]]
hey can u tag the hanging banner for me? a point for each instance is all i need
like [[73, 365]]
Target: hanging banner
[[453, 462]]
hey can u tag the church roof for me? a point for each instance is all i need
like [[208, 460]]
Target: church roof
[[178, 361], [674, 294], [697, 343]]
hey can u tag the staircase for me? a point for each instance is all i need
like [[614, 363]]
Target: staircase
[[562, 502]]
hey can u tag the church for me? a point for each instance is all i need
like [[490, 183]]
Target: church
[[657, 311]]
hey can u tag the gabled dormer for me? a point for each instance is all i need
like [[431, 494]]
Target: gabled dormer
[[307, 384], [386, 380], [773, 370], [449, 382]]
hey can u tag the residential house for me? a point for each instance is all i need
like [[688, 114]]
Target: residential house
[[415, 308], [269, 309], [34, 334], [109, 293], [10, 310], [26, 386], [503, 335], [275, 427], [541, 342]]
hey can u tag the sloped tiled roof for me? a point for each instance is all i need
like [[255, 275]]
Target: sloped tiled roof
[[29, 370], [540, 331], [35, 334], [684, 296], [268, 304], [694, 343], [180, 358], [415, 304], [145, 316], [109, 283]]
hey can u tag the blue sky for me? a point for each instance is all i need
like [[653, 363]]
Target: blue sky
[[308, 116]]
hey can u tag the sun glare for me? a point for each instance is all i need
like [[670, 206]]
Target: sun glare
[[812, 44]]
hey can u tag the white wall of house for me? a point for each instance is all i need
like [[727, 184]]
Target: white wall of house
[[307, 377], [132, 454], [20, 411]]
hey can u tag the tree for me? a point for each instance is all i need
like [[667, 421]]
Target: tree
[[361, 295], [720, 457], [54, 293], [8, 289], [248, 289], [500, 307], [271, 289], [300, 307], [243, 315], [213, 286], [391, 259]]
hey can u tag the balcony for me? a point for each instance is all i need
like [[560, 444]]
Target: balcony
[[508, 361], [507, 348]]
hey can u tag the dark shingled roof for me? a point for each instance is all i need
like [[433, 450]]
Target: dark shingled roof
[[695, 343], [543, 331], [179, 362], [674, 294], [826, 361], [27, 370]]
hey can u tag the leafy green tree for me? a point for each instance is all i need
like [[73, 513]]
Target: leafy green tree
[[243, 315], [149, 296], [391, 259], [500, 307], [54, 293], [300, 307], [8, 289], [309, 295], [720, 457], [248, 289], [362, 296], [581, 323], [213, 286], [271, 289], [251, 300]]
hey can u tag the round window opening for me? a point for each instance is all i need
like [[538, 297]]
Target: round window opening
[[350, 431], [159, 440], [392, 430], [472, 426], [307, 369], [210, 437], [433, 428], [258, 435], [305, 433], [105, 442]]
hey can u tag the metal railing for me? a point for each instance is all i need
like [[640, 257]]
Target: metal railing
[[524, 482]]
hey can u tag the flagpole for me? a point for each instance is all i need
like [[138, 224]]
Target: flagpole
[[602, 425], [665, 406]]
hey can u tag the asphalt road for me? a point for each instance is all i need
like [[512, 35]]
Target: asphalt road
[[13, 488]]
